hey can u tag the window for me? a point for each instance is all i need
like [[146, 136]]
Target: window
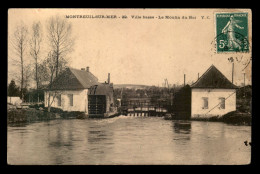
[[59, 99], [70, 99], [221, 103], [205, 102]]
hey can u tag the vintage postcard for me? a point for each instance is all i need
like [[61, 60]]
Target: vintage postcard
[[129, 86]]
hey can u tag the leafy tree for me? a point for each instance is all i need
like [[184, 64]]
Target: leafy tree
[[13, 90]]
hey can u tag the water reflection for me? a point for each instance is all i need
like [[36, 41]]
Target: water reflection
[[182, 130], [96, 136], [128, 140], [61, 141], [17, 124], [61, 137], [182, 127]]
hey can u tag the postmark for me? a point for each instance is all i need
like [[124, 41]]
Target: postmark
[[231, 32]]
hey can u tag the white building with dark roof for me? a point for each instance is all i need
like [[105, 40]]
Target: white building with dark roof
[[72, 90], [212, 95]]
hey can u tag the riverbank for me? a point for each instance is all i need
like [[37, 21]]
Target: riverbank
[[235, 118], [34, 114], [28, 115], [41, 114]]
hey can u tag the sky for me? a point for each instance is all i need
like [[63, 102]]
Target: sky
[[138, 51]]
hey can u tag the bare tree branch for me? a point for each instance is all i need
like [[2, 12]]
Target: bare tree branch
[[59, 35], [19, 44], [35, 44]]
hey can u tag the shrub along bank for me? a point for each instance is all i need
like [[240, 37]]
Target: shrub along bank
[[34, 114], [235, 117], [28, 115]]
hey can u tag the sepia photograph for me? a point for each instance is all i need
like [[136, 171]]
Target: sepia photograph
[[143, 86]]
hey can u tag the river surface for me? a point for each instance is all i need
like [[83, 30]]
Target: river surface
[[127, 140]]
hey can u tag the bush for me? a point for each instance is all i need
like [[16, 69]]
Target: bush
[[14, 115], [73, 114], [28, 115], [81, 116], [36, 106], [54, 110], [236, 117]]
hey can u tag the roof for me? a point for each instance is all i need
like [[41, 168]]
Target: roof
[[101, 89], [213, 78], [72, 79]]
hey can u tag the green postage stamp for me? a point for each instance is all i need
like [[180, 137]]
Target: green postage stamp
[[232, 32]]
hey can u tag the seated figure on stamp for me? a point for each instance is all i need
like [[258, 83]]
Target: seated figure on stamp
[[229, 29]]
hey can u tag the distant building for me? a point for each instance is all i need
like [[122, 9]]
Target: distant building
[[72, 91], [130, 86], [137, 102], [212, 95]]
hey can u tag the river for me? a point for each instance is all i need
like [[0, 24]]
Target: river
[[127, 140]]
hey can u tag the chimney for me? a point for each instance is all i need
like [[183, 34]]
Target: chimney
[[83, 69], [87, 69], [108, 79]]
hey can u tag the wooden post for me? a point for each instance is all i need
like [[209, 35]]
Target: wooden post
[[184, 79], [232, 71], [171, 98], [108, 79], [38, 98], [244, 84]]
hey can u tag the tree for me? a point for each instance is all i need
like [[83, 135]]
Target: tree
[[35, 44], [47, 71], [60, 40], [19, 43], [13, 90], [27, 76]]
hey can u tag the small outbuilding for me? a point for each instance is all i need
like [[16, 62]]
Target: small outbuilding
[[14, 100], [212, 95]]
